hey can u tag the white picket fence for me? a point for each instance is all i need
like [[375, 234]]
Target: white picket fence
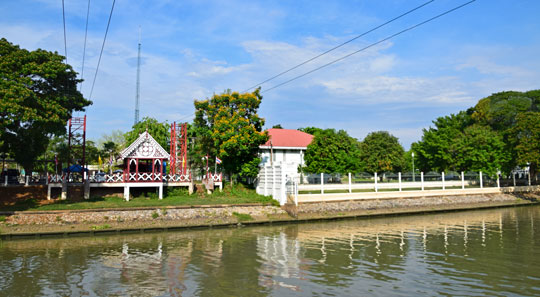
[[272, 180]]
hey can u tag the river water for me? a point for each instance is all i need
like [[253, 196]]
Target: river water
[[474, 253]]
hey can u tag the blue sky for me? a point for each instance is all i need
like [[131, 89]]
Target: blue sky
[[192, 49]]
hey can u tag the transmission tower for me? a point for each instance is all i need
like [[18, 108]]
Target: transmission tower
[[77, 143], [137, 93], [178, 151]]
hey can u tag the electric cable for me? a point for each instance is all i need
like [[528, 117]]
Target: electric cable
[[340, 45], [84, 48], [64, 21], [369, 46], [101, 53]]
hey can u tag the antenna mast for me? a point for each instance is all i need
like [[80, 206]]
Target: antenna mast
[[137, 94]]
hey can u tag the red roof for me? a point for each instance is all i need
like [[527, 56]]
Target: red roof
[[288, 138]]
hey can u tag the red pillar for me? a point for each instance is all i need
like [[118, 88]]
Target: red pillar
[[153, 168]]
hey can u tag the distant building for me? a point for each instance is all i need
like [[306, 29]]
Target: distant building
[[286, 147]]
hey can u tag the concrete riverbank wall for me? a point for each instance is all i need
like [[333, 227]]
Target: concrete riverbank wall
[[64, 223]]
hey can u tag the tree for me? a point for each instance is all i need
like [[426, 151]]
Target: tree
[[160, 131], [228, 126], [310, 130], [278, 126], [332, 152], [115, 136], [526, 141], [479, 148], [381, 151], [438, 148], [38, 95], [500, 110]]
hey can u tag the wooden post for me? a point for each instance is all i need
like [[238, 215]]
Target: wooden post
[[350, 185], [399, 178], [375, 176], [462, 180], [481, 181], [422, 180], [322, 183], [442, 178]]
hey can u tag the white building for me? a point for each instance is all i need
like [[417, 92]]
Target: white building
[[286, 147]]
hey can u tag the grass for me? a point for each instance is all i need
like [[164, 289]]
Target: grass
[[101, 227], [242, 217], [237, 194]]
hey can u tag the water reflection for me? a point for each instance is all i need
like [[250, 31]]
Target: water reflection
[[492, 252]]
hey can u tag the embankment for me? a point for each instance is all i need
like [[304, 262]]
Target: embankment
[[81, 222]]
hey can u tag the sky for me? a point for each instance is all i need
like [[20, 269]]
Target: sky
[[194, 49]]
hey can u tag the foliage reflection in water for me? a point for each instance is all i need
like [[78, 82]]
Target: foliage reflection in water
[[489, 252]]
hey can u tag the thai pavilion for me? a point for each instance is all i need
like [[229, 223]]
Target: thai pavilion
[[144, 164]]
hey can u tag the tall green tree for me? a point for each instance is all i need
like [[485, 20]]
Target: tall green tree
[[479, 148], [381, 151], [526, 141], [38, 95], [228, 126], [310, 130], [438, 149], [160, 131], [332, 152]]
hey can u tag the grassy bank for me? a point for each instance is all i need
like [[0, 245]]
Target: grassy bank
[[172, 197]]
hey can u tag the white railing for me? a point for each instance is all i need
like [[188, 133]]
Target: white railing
[[144, 177], [217, 177], [55, 178], [398, 185], [178, 178]]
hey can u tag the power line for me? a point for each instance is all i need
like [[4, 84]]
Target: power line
[[101, 53], [340, 45], [371, 45], [84, 48], [64, 21], [362, 49]]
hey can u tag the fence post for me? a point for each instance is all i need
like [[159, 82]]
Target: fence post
[[26, 180], [442, 178], [529, 175], [422, 180], [350, 186], [274, 182], [462, 180], [5, 180], [283, 187], [265, 181], [514, 178], [481, 181], [295, 193], [498, 181], [399, 178], [322, 183], [376, 189]]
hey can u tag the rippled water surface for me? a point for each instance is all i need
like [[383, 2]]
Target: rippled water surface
[[475, 253]]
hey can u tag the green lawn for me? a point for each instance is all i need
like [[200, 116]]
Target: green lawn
[[174, 197]]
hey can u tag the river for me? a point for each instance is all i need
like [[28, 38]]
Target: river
[[472, 253]]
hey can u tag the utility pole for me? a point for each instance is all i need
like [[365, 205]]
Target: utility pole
[[137, 94]]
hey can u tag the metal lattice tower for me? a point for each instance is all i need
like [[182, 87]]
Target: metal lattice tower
[[77, 142], [178, 151], [137, 94]]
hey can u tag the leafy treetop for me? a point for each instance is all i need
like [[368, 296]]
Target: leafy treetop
[[228, 126]]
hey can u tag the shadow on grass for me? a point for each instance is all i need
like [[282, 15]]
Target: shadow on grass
[[20, 205]]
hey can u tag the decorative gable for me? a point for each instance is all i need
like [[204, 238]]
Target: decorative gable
[[145, 147]]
